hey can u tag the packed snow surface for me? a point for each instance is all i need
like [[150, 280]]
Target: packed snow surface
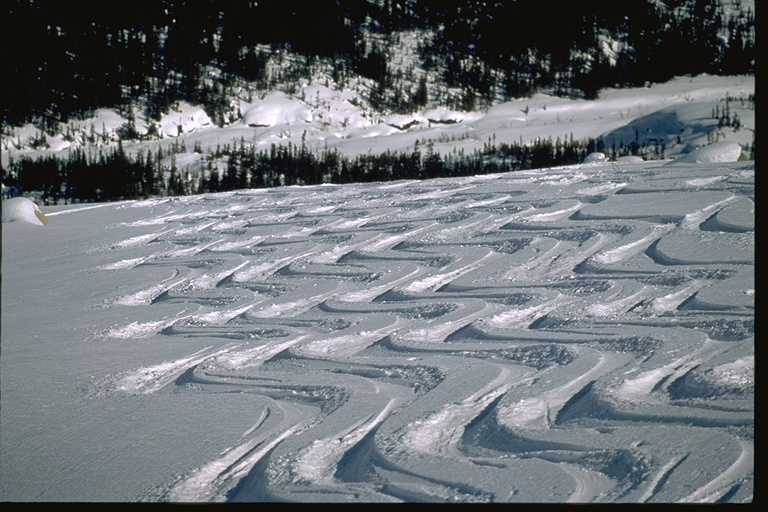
[[572, 334]]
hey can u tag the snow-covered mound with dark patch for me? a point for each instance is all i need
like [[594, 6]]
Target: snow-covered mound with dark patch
[[572, 334]]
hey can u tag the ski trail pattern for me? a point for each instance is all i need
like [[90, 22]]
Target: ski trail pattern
[[452, 340]]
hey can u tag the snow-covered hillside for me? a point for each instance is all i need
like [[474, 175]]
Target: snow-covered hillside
[[568, 334], [678, 113]]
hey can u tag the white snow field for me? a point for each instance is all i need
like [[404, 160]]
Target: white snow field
[[573, 334]]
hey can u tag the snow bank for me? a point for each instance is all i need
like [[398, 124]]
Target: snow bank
[[445, 116], [276, 109], [440, 115], [23, 210], [404, 121], [630, 159], [714, 153]]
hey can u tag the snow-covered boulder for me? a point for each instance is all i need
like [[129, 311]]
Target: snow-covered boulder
[[187, 117], [22, 209], [630, 159], [595, 157], [275, 109], [713, 153]]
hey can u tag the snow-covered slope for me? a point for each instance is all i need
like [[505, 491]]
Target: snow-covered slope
[[678, 113], [571, 334]]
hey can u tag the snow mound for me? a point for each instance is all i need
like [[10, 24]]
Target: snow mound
[[442, 115], [185, 118], [630, 159], [23, 210], [277, 109], [57, 143], [336, 108], [718, 152], [739, 373], [595, 158], [105, 122]]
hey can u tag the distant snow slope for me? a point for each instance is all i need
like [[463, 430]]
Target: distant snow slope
[[572, 334], [322, 115]]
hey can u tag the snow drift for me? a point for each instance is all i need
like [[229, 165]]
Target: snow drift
[[595, 157], [563, 334], [722, 152], [24, 210]]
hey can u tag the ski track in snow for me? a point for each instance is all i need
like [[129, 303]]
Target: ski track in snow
[[412, 339]]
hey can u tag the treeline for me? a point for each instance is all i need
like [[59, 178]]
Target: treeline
[[69, 58], [572, 47], [89, 176]]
